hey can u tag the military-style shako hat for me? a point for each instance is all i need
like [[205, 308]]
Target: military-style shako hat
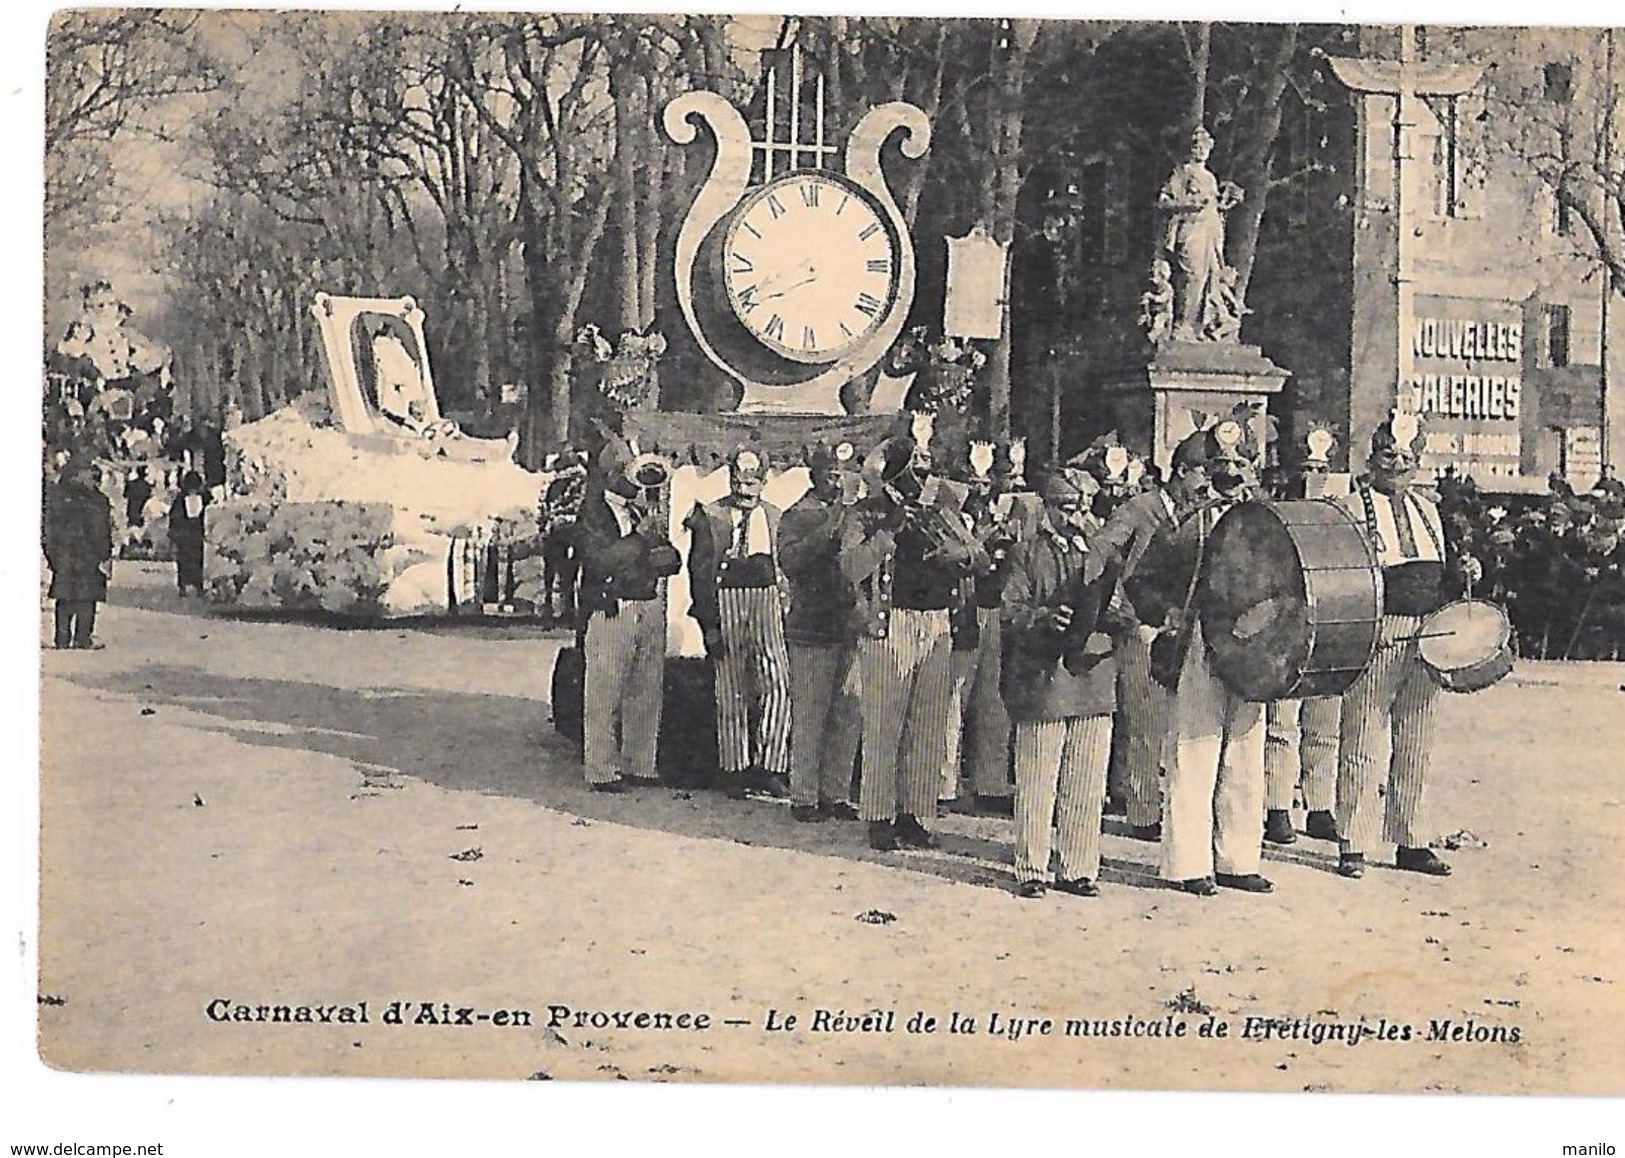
[[745, 465], [1398, 435], [1196, 449]]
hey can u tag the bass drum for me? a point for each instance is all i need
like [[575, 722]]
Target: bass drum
[[1290, 600]]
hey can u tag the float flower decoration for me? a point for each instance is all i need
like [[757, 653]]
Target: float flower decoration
[[944, 370], [627, 369]]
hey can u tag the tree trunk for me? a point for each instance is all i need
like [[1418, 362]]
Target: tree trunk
[[1200, 54], [622, 89], [1001, 193], [1252, 160]]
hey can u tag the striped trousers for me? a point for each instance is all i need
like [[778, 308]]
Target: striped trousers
[[1387, 733], [978, 759], [752, 681], [1142, 708], [824, 723], [907, 682], [1214, 816], [1060, 776], [1301, 740], [624, 657]]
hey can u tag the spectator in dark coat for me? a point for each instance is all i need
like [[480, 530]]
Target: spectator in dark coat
[[186, 532], [78, 529], [137, 490], [214, 459]]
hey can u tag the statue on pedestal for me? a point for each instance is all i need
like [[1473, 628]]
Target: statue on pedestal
[[1206, 306]]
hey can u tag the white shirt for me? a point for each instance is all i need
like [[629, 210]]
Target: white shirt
[[1427, 529], [757, 541], [620, 507]]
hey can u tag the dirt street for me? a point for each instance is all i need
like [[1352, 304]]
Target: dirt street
[[240, 814]]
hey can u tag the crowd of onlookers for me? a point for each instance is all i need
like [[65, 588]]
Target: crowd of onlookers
[[1556, 562]]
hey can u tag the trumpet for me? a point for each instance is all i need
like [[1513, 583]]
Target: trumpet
[[949, 538], [649, 471]]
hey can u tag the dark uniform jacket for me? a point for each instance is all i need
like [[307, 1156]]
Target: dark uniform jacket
[[78, 541], [1128, 533], [884, 561], [1048, 674], [616, 566], [821, 606], [709, 565], [1166, 580]]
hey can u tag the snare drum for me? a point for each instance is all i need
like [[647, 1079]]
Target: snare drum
[[1467, 645]]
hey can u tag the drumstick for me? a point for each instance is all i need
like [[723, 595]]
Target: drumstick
[[1422, 635]]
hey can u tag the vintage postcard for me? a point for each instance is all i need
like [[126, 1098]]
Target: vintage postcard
[[833, 550]]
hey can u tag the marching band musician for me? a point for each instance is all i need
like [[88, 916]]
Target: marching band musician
[[818, 629], [625, 559], [1391, 704], [978, 762], [1143, 703], [1059, 684], [735, 582], [1213, 814], [904, 562]]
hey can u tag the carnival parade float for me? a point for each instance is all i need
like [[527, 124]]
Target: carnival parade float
[[367, 501]]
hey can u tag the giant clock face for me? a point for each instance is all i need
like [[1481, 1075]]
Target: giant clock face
[[811, 266]]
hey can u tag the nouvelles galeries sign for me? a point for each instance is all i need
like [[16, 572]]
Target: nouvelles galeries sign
[[1467, 378]]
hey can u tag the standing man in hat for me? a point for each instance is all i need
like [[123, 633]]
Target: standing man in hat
[[736, 582], [904, 563], [1387, 720], [626, 557], [977, 768], [78, 528], [1142, 702], [818, 628], [1213, 814], [1060, 689]]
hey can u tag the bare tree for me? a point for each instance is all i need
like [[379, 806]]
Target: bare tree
[[109, 73]]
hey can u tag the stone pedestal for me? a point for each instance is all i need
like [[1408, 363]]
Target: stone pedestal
[[1156, 403]]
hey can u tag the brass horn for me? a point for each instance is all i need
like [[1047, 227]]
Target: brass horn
[[649, 471]]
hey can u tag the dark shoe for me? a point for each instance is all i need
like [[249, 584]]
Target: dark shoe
[[733, 783], [1420, 860], [1198, 887], [1320, 825], [912, 834], [1151, 832], [1031, 890], [1079, 887], [837, 810], [1351, 865], [1244, 882], [765, 783], [91, 646], [1278, 827], [883, 836], [995, 806], [807, 813], [609, 786]]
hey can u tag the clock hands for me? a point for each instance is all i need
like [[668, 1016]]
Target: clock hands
[[768, 286], [811, 277]]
